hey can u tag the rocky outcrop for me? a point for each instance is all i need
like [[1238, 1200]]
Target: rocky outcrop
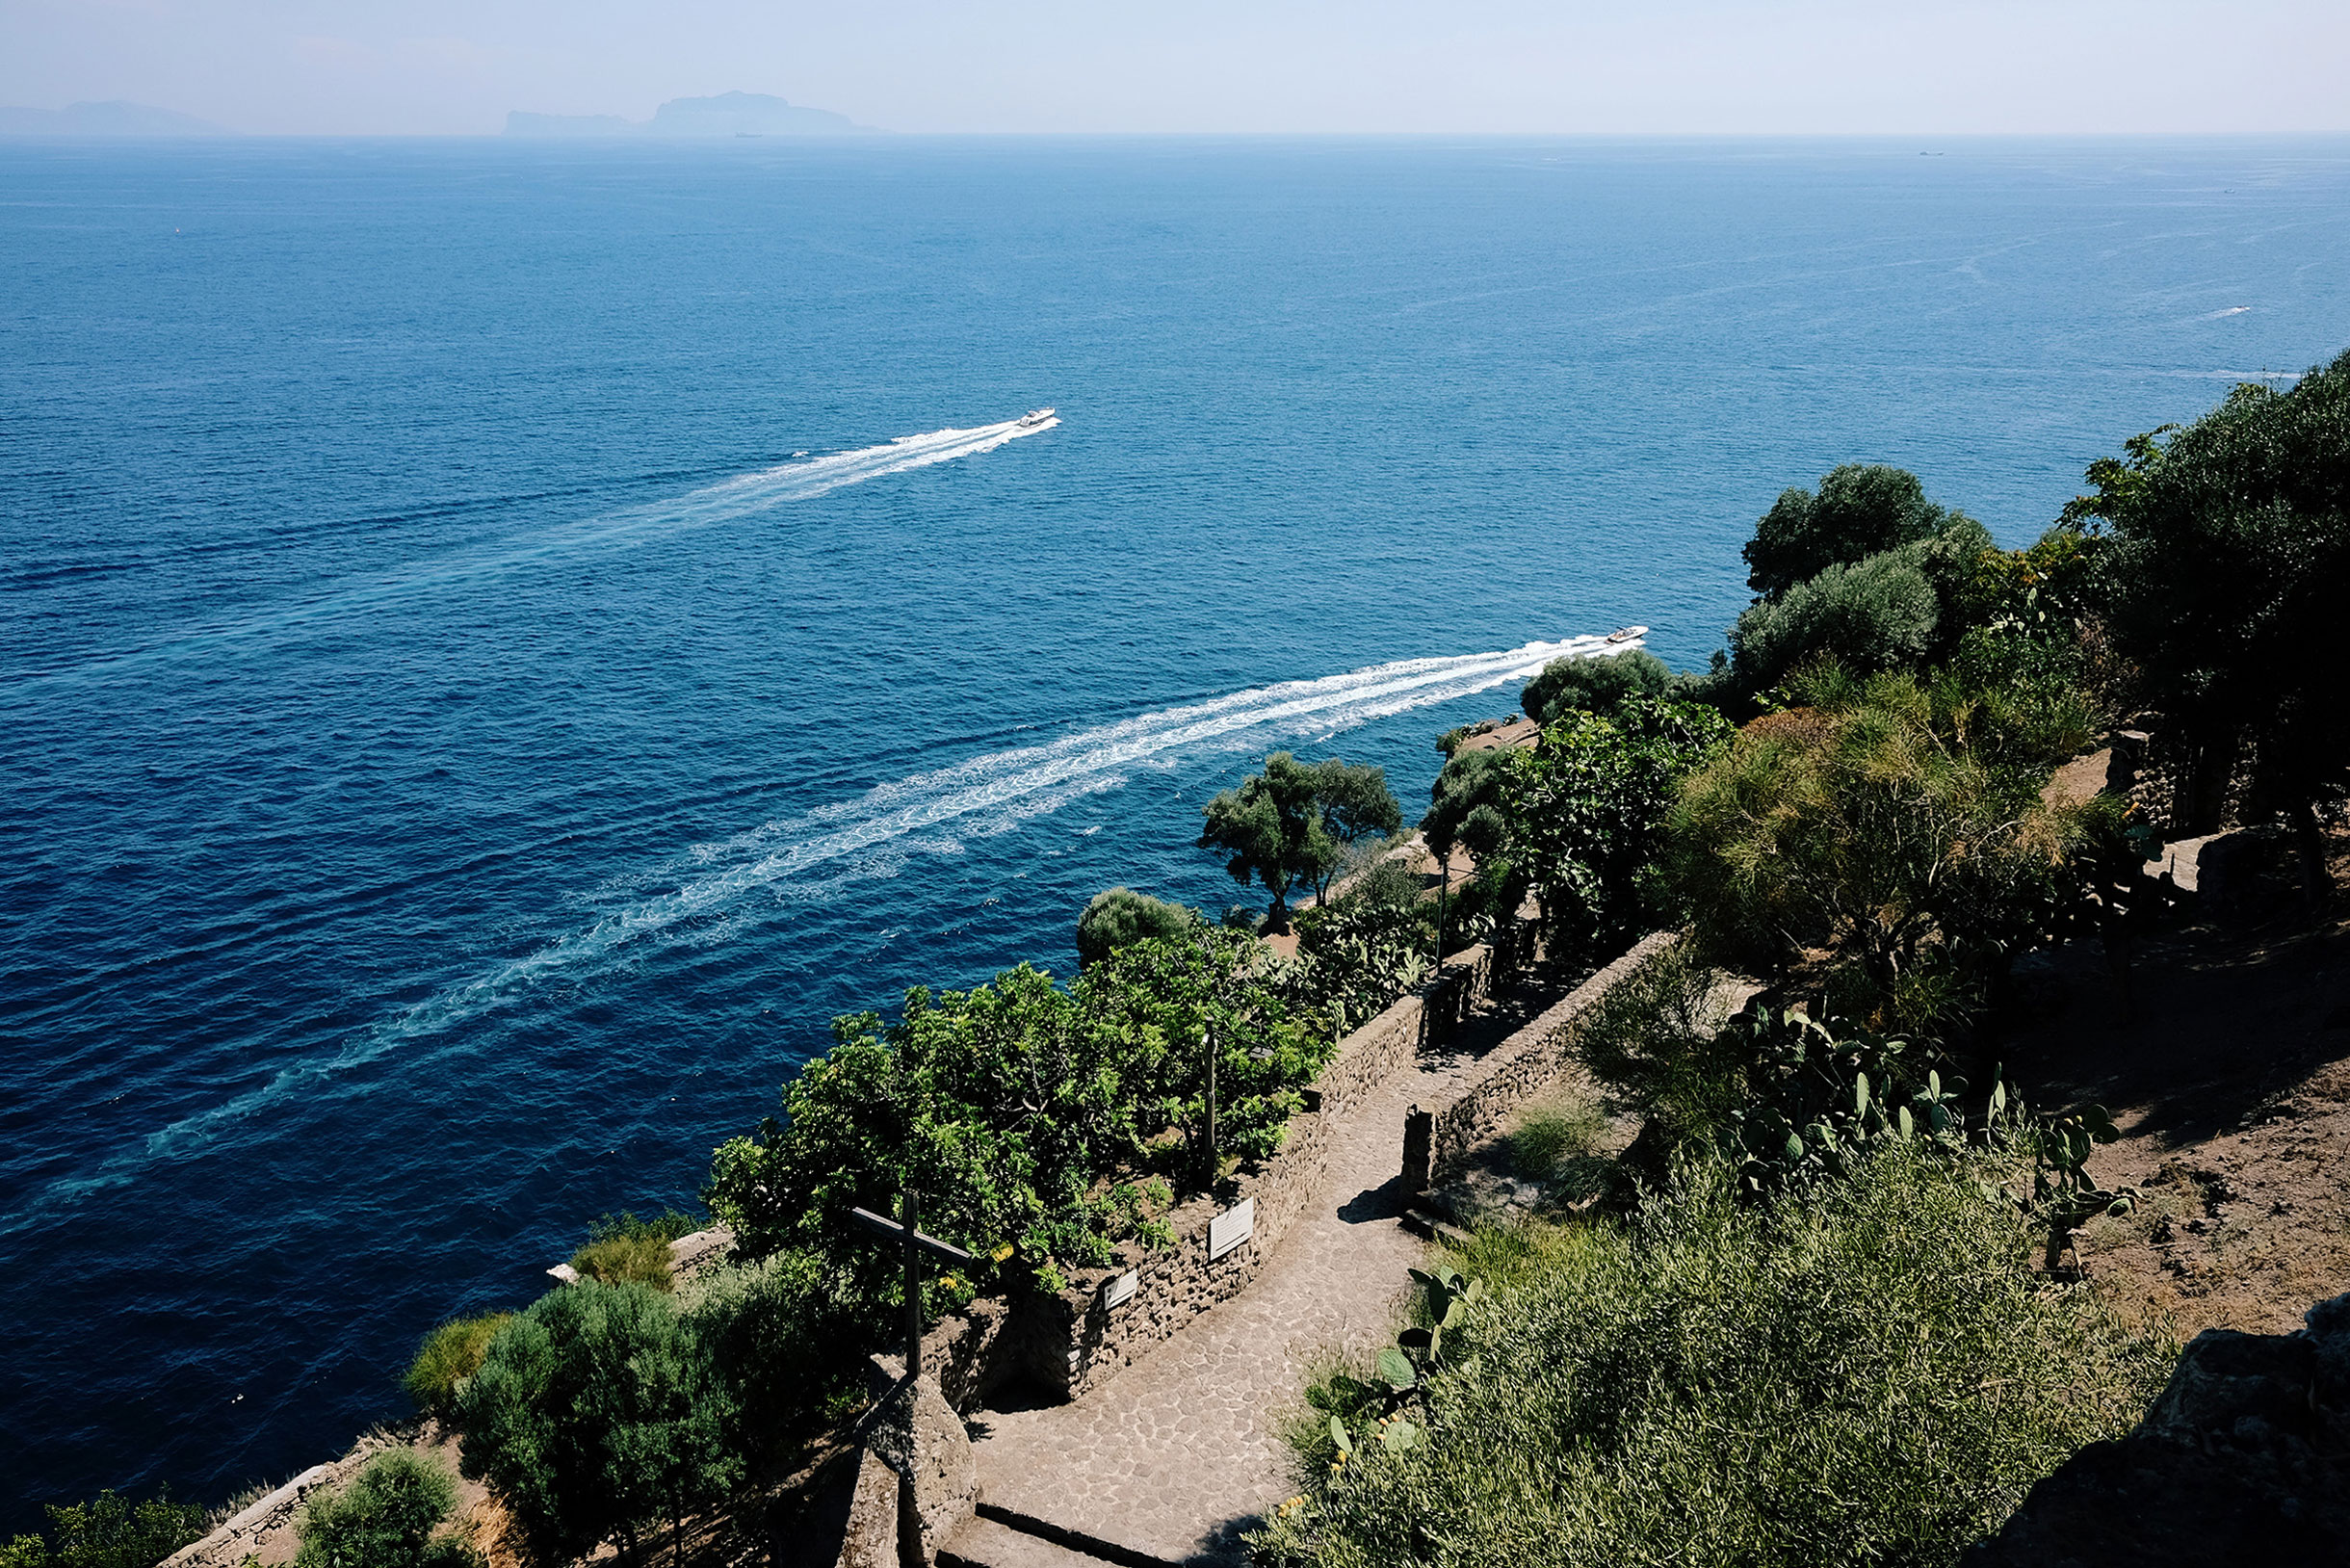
[[2244, 1459]]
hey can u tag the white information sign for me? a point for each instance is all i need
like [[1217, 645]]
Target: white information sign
[[1116, 1292], [1231, 1227]]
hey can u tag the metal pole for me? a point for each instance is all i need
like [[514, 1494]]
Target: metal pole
[[909, 1212], [1215, 1165], [1443, 891]]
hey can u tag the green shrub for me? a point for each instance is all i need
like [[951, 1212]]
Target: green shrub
[[1386, 883], [597, 1415], [625, 1260], [1596, 684], [1860, 510], [1119, 916], [1552, 1131], [449, 1356], [622, 1249], [1865, 821], [109, 1531], [781, 1330], [1031, 1117], [1876, 614], [1867, 1373], [386, 1518]]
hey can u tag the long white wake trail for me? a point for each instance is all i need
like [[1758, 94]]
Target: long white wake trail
[[742, 496], [721, 887]]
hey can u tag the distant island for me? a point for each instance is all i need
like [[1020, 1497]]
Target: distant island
[[729, 114], [115, 118]]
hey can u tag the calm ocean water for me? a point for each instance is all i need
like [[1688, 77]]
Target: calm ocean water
[[501, 643]]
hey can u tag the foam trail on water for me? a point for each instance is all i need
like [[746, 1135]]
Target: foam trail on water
[[729, 500], [869, 836]]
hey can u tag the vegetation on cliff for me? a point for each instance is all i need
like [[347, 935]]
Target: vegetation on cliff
[[1823, 1320]]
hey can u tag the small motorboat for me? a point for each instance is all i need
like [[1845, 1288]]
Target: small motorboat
[[1625, 634], [1033, 418]]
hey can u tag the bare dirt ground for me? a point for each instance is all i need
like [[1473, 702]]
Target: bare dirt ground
[[2231, 1082]]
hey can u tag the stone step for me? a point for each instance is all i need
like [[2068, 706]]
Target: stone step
[[989, 1543], [1421, 1220]]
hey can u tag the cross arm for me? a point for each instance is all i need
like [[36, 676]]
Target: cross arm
[[890, 1230]]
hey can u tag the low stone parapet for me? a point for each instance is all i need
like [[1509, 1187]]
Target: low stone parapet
[[1519, 1069]]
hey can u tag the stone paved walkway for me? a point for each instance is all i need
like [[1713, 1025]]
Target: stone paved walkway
[[1179, 1453]]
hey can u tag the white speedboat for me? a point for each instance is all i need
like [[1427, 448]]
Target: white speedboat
[[1033, 418], [1625, 634]]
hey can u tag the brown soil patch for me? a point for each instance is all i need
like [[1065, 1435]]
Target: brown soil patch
[[2231, 1082]]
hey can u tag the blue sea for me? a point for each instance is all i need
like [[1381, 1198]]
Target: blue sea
[[499, 644]]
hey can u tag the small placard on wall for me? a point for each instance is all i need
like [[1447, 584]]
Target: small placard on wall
[[1231, 1227], [1116, 1293]]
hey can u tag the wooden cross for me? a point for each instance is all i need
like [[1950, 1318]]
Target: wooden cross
[[907, 1232]]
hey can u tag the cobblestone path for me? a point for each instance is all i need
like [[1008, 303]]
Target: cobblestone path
[[1180, 1453]]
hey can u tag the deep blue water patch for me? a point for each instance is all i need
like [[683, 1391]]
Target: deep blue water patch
[[462, 748]]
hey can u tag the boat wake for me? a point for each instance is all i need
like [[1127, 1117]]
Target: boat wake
[[719, 892], [744, 495]]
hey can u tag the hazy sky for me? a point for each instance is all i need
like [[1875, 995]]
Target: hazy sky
[[1697, 65]]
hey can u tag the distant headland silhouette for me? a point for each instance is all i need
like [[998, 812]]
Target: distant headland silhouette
[[729, 114]]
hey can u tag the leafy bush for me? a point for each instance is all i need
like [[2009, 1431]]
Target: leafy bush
[[1868, 1372], [1119, 916], [1364, 951], [595, 1416], [1860, 510], [109, 1531], [1867, 824], [1876, 614], [782, 1333], [449, 1356], [1038, 1122], [1584, 814], [1594, 684], [1465, 804], [386, 1518]]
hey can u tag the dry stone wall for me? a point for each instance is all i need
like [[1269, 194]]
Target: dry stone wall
[[1526, 1063]]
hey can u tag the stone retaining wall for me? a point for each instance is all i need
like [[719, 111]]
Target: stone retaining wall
[[1523, 1065]]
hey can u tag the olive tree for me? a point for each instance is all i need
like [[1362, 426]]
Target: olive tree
[[1861, 510], [1292, 823]]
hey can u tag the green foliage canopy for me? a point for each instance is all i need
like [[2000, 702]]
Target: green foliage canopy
[[1595, 683], [386, 1518], [1292, 821], [1866, 1372], [1867, 821], [1583, 812], [109, 1531], [1028, 1116], [2224, 579], [1861, 510], [1270, 827], [595, 1416], [1118, 917]]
